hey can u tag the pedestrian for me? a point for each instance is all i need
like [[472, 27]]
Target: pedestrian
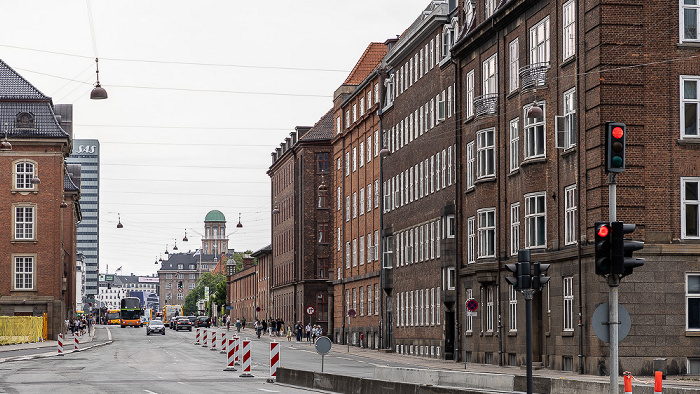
[[299, 330], [289, 334], [238, 325], [243, 323], [308, 332], [264, 326], [228, 322], [258, 328]]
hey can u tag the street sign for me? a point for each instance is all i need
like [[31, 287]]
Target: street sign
[[310, 310], [600, 319], [352, 313], [179, 290], [471, 314], [472, 305], [323, 345]]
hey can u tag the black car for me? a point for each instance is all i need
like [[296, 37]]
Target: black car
[[182, 323], [203, 321]]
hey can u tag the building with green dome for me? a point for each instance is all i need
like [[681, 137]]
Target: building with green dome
[[215, 240]]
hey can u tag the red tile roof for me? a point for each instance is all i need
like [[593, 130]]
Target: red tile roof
[[369, 61]]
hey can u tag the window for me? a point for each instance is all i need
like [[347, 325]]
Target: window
[[489, 309], [485, 153], [324, 233], [471, 239], [354, 113], [361, 204], [376, 299], [369, 300], [322, 307], [487, 232], [354, 252], [692, 301], [347, 119], [489, 8], [489, 83], [388, 252], [451, 278], [690, 208], [354, 159], [566, 125], [362, 301], [369, 149], [347, 163], [535, 220], [376, 193], [24, 172], [354, 205], [689, 21], [514, 228], [339, 198], [362, 250], [469, 98], [323, 162], [362, 154], [24, 273], [514, 65], [568, 290], [376, 143], [534, 134], [470, 318], [690, 107], [514, 145], [168, 276], [569, 38], [450, 223], [338, 126], [193, 276], [24, 222], [470, 165], [539, 42], [322, 198], [347, 254], [512, 309], [347, 208], [570, 215], [340, 242], [190, 286]]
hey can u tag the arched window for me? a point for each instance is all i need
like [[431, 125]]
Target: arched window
[[25, 171]]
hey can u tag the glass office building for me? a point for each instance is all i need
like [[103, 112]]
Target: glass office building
[[87, 154]]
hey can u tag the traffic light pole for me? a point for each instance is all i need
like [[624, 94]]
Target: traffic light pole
[[613, 301], [528, 293]]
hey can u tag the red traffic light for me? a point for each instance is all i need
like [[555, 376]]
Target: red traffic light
[[617, 132], [603, 231]]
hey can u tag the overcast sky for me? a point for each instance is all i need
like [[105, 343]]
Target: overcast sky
[[200, 94]]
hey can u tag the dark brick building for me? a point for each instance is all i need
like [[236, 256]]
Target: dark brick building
[[40, 205], [301, 225], [356, 206]]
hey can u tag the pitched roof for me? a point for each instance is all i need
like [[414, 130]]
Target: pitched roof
[[369, 61], [21, 97], [322, 130], [68, 184]]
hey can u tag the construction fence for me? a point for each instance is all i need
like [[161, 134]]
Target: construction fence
[[22, 329]]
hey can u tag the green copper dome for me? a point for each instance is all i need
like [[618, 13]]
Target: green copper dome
[[215, 216]]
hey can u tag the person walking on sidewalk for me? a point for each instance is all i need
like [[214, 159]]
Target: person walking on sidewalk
[[308, 332], [289, 334]]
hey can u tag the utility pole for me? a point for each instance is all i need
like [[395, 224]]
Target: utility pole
[[613, 300]]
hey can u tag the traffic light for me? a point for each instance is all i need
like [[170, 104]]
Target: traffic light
[[513, 280], [521, 279], [603, 239], [539, 278], [179, 285], [621, 249], [615, 146]]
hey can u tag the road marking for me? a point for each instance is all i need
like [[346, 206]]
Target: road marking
[[269, 391], [149, 391]]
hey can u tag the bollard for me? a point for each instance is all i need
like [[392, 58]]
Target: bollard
[[628, 383], [658, 377], [237, 349], [196, 340], [231, 356], [60, 344], [204, 339], [246, 360], [274, 359], [77, 342], [223, 342], [213, 340]]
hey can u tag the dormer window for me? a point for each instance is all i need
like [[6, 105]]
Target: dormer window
[[24, 120]]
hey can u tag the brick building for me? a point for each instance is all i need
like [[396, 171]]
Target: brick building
[[40, 205], [356, 211], [264, 281], [178, 275], [301, 225], [242, 289], [537, 181]]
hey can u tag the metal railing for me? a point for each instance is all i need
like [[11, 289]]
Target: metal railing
[[534, 75], [486, 104]]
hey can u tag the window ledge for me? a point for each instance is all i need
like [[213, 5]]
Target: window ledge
[[689, 141], [514, 172], [489, 178], [567, 334], [688, 45], [568, 60], [512, 333], [469, 190], [24, 241], [444, 61], [534, 160], [692, 333], [569, 151]]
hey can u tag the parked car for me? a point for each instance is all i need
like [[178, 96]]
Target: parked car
[[203, 321], [155, 326], [183, 323]]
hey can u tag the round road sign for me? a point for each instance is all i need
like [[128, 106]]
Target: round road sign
[[310, 310], [472, 305], [323, 345], [352, 313]]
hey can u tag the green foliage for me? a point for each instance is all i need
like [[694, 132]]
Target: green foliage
[[215, 282]]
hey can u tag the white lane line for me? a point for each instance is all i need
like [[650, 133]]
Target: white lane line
[[269, 391], [149, 391]]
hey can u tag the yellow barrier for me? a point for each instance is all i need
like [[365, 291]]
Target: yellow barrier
[[21, 329]]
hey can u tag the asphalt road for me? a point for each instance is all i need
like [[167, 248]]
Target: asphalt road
[[136, 363]]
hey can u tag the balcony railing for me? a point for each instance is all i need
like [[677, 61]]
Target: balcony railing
[[534, 75], [486, 104]]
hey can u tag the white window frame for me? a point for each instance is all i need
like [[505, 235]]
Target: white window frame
[[690, 9], [566, 125], [490, 301], [24, 171], [539, 42], [24, 218], [487, 232], [569, 30], [689, 100], [23, 270], [450, 223], [535, 220], [354, 158], [470, 319], [512, 309], [570, 215], [471, 240], [514, 228], [469, 96], [451, 278], [691, 293], [486, 153], [470, 165], [514, 65], [489, 8], [535, 134], [514, 153], [490, 75], [568, 303], [690, 204]]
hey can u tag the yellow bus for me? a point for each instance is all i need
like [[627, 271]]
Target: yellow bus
[[113, 316]]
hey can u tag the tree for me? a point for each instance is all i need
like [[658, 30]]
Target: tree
[[207, 279]]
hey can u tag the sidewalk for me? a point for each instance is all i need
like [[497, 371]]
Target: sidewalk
[[27, 351]]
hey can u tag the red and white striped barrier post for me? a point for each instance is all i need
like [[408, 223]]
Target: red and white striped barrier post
[[628, 383], [658, 377], [204, 339], [246, 360], [60, 344], [77, 342], [196, 338], [237, 349], [231, 355], [223, 342], [274, 358], [213, 340]]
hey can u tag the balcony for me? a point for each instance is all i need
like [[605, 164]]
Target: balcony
[[486, 105], [387, 279], [534, 76]]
